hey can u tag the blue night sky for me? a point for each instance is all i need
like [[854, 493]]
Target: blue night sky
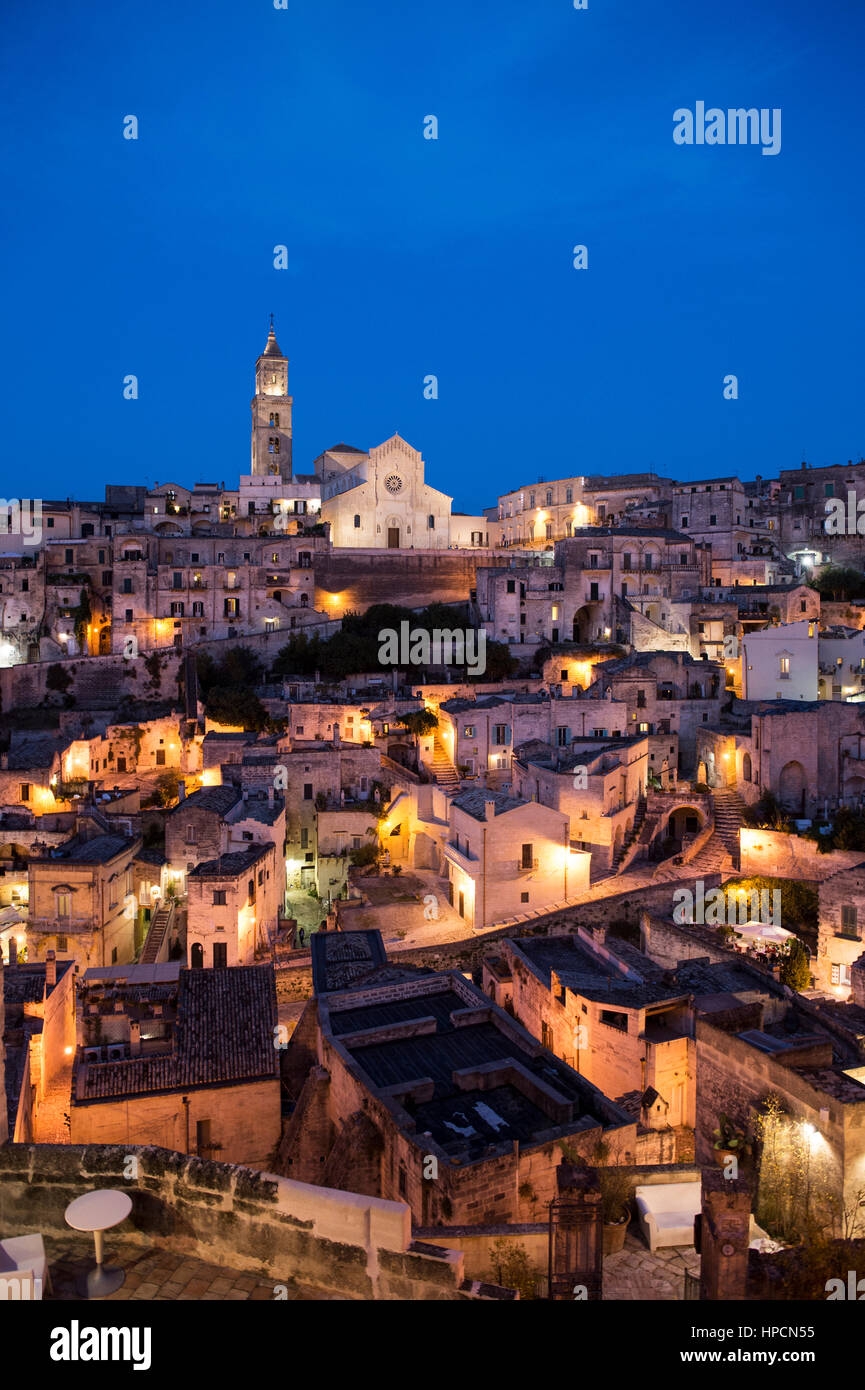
[[410, 256]]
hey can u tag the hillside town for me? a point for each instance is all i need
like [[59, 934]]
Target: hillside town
[[485, 892]]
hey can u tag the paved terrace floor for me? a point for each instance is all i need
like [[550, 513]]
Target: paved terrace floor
[[160, 1275], [636, 1273]]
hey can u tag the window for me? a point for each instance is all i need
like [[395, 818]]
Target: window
[[307, 791], [849, 917], [160, 757], [431, 522], [684, 523], [177, 579], [219, 898], [25, 791], [190, 834], [784, 668], [129, 615], [177, 610], [501, 734], [64, 902], [127, 586], [798, 494], [527, 856], [626, 560], [524, 897], [512, 586], [613, 1019], [70, 557], [62, 943], [593, 592], [563, 736], [468, 731], [713, 520], [357, 521], [202, 1136]]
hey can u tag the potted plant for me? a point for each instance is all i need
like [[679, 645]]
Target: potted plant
[[616, 1186], [730, 1141]]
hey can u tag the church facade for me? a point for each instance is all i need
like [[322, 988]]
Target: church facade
[[380, 500]]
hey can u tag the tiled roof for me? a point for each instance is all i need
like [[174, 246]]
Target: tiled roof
[[474, 802], [227, 865], [97, 850], [216, 799], [224, 1033]]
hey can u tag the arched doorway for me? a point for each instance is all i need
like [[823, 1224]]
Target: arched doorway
[[583, 625], [196, 956], [791, 787], [746, 768], [617, 844]]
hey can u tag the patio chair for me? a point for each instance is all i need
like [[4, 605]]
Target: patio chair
[[24, 1266]]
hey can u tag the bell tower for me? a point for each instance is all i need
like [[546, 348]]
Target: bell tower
[[271, 413]]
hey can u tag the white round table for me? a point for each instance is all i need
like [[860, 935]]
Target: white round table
[[97, 1211]]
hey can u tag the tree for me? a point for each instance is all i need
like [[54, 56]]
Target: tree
[[499, 663], [167, 788], [796, 966], [58, 679], [419, 722], [236, 705]]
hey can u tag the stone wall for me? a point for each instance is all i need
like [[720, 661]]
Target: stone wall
[[343, 1244], [773, 854], [361, 578]]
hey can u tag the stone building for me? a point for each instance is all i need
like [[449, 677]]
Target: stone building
[[662, 693], [508, 857], [82, 898], [841, 930], [233, 903], [780, 663], [415, 1086], [575, 597], [598, 783], [718, 512], [808, 755], [381, 500], [183, 1059]]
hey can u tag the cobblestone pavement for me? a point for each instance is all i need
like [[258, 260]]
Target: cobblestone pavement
[[637, 1273], [159, 1275]]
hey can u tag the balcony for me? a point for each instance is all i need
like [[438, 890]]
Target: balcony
[[594, 598], [520, 866], [469, 863]]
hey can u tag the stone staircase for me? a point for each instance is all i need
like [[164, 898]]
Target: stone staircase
[[728, 806], [443, 770], [151, 951], [632, 835], [49, 1120]]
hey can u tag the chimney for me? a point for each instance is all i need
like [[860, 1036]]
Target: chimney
[[134, 1038], [50, 970], [489, 810]]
